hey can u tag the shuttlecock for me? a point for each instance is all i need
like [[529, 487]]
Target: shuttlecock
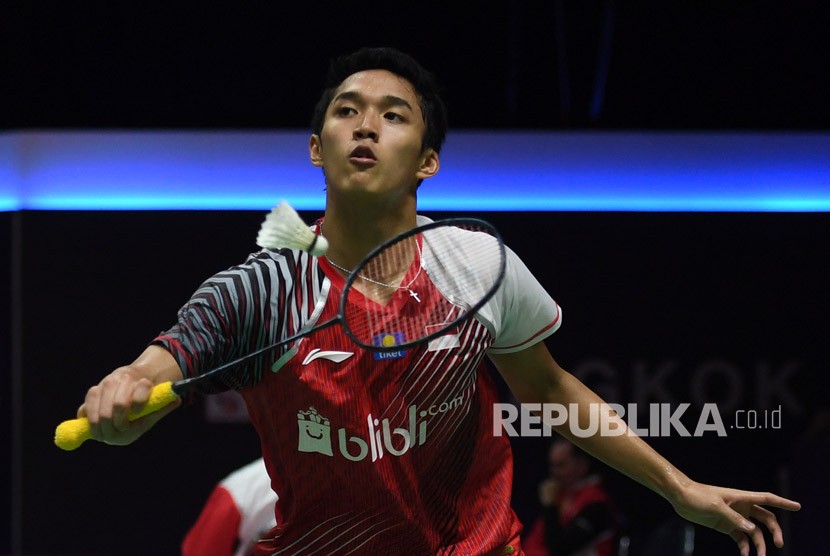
[[283, 228]]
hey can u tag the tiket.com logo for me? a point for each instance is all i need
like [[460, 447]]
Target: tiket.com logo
[[389, 340], [315, 433]]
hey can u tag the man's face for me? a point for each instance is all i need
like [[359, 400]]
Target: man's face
[[566, 468], [371, 141]]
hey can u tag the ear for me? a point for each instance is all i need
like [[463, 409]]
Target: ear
[[315, 150], [429, 165], [584, 466]]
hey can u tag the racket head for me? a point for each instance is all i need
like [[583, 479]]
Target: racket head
[[422, 284]]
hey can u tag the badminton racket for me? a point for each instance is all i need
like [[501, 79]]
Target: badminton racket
[[411, 290]]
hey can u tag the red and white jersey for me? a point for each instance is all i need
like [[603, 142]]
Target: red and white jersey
[[377, 453], [238, 512]]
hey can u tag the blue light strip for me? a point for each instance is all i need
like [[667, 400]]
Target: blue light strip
[[9, 176], [481, 171]]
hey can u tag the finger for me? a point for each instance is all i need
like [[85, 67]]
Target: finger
[[141, 394], [144, 424], [738, 522], [90, 410], [106, 410], [757, 536], [771, 522], [85, 409], [783, 503], [92, 401], [122, 400], [157, 416], [742, 541], [769, 499]]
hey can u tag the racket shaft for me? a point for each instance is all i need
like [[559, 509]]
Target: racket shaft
[[70, 434]]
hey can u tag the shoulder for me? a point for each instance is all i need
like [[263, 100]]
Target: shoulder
[[280, 263], [253, 472], [268, 257]]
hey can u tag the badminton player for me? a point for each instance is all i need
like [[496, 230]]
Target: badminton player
[[389, 453]]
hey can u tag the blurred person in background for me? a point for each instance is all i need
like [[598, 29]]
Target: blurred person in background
[[578, 515], [236, 515]]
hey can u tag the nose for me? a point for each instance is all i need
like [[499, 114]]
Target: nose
[[366, 128]]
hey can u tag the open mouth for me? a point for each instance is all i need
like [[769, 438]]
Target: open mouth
[[363, 155]]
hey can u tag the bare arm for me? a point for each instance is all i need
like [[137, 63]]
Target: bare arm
[[127, 388], [535, 377]]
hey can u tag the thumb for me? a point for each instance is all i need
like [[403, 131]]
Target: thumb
[[143, 424], [738, 522]]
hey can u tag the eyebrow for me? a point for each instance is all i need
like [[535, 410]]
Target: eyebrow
[[389, 100]]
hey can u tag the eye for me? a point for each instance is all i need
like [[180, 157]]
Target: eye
[[394, 116], [345, 110]]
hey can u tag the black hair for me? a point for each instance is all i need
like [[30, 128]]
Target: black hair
[[401, 64], [578, 453]]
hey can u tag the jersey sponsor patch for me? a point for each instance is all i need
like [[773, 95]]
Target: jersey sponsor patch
[[388, 340], [317, 434]]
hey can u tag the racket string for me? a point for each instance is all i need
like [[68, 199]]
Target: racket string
[[459, 268], [402, 321], [384, 270]]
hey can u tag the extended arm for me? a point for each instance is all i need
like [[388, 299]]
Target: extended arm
[[534, 377], [108, 404]]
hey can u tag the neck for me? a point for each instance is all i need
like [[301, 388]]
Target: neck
[[353, 229]]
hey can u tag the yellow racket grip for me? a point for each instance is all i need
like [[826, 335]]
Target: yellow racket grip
[[69, 435]]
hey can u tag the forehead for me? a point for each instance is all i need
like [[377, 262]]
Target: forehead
[[560, 452], [379, 84]]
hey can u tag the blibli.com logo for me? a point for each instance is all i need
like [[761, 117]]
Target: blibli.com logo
[[389, 340], [315, 433]]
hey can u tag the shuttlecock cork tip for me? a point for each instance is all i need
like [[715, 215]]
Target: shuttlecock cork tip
[[319, 246]]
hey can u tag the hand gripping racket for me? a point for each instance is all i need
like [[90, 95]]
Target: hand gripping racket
[[412, 289]]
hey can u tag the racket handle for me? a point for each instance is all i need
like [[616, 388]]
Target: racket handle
[[69, 435]]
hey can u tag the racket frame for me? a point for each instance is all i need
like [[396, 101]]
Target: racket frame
[[354, 275]]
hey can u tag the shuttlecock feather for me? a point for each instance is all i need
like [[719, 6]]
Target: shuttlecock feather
[[283, 228]]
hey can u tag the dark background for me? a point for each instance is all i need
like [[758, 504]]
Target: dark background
[[639, 290], [684, 64]]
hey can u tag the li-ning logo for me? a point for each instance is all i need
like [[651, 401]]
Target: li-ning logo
[[315, 433], [336, 356]]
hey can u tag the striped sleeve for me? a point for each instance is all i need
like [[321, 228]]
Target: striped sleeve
[[240, 310]]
